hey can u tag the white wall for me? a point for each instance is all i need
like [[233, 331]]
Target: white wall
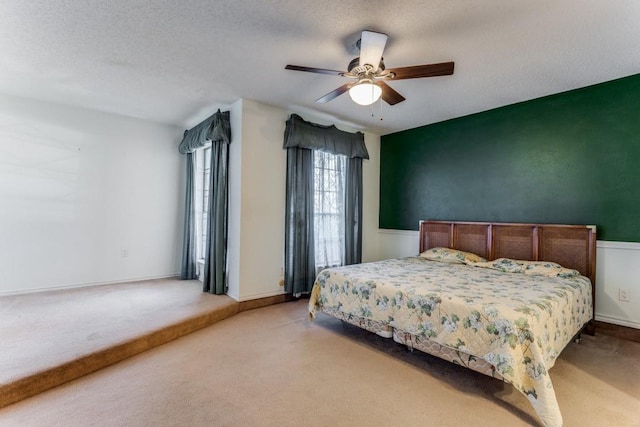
[[86, 197], [257, 198], [617, 266], [262, 200], [371, 199], [235, 205]]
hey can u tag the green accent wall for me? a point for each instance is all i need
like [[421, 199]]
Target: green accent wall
[[570, 158]]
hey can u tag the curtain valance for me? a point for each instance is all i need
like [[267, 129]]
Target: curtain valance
[[216, 128], [303, 134]]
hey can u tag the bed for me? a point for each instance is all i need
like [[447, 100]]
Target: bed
[[503, 299]]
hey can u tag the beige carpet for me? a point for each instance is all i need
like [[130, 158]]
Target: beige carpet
[[49, 338], [272, 367]]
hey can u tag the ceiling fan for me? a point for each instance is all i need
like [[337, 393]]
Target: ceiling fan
[[370, 75]]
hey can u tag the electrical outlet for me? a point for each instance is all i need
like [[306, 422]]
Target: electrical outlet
[[623, 295], [124, 253]]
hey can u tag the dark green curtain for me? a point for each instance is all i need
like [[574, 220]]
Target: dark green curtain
[[353, 212], [299, 255], [189, 247], [216, 129], [300, 138], [303, 134], [215, 264]]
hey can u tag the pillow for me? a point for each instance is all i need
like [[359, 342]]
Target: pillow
[[531, 268], [453, 256], [503, 264], [547, 268]]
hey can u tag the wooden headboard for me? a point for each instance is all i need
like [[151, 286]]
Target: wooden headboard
[[572, 246]]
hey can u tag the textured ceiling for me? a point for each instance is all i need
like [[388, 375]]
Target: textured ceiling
[[176, 61]]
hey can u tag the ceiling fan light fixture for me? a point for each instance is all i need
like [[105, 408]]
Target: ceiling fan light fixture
[[365, 92]]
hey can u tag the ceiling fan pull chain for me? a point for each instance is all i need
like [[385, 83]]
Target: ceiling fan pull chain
[[379, 102], [372, 104]]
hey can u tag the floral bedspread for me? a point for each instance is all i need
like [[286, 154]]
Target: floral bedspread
[[516, 322]]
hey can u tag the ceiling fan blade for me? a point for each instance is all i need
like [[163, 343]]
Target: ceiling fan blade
[[418, 71], [371, 47], [389, 95], [335, 93], [314, 70]]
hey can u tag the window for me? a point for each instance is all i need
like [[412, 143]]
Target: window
[[203, 176], [206, 179], [328, 209]]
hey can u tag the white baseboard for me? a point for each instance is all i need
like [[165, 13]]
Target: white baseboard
[[258, 295], [86, 285], [619, 322]]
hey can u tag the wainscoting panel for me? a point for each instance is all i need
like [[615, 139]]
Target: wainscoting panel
[[398, 243], [618, 267]]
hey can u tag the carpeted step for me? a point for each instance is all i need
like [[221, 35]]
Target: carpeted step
[[54, 337]]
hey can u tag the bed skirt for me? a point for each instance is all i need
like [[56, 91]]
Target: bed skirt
[[378, 328], [422, 344], [449, 354]]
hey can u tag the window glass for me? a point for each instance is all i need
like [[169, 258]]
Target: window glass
[[202, 182], [329, 180], [206, 181]]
